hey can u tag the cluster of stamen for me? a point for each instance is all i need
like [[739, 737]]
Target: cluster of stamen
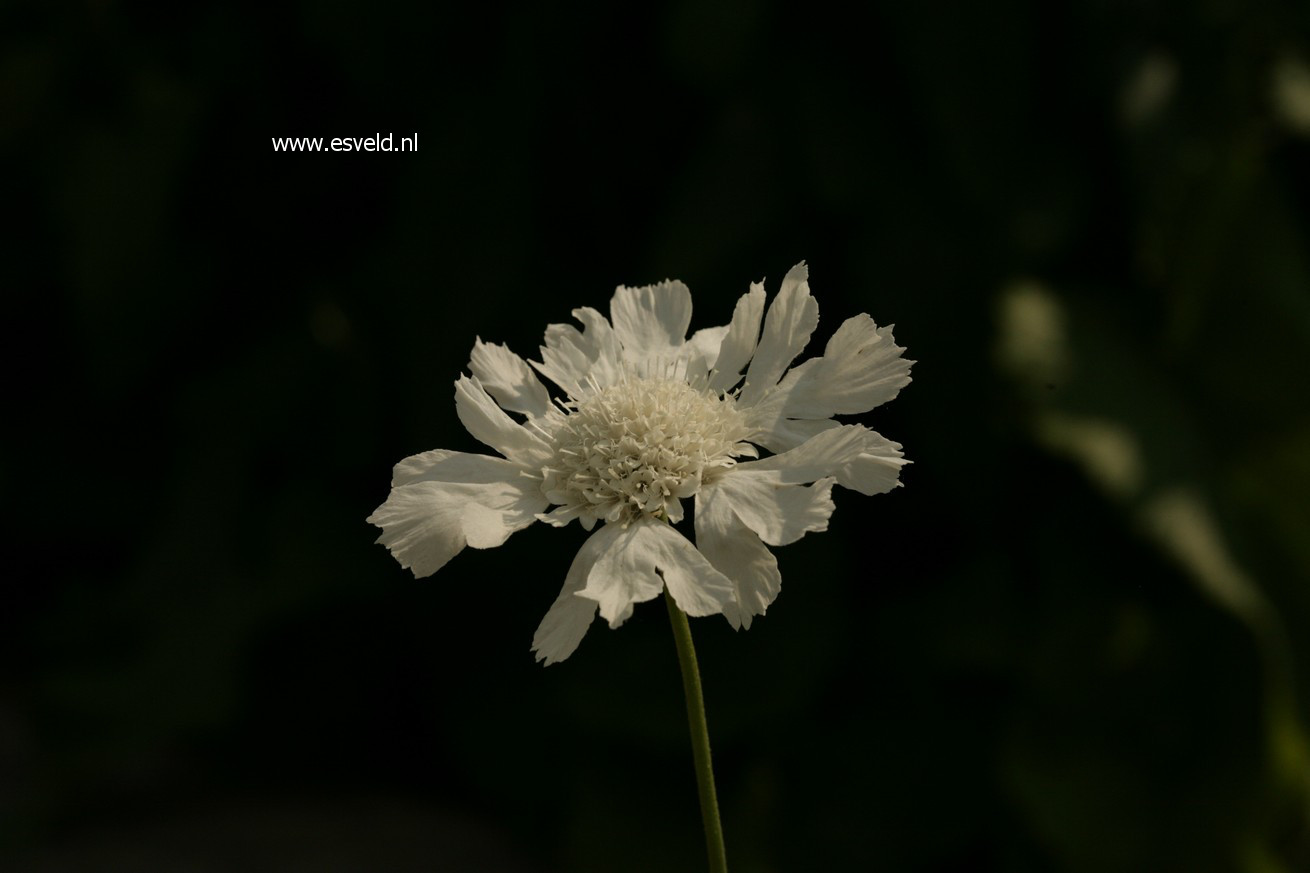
[[637, 447]]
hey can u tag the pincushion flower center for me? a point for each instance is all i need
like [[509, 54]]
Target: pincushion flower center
[[636, 447]]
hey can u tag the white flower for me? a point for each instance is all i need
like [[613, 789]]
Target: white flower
[[651, 418]]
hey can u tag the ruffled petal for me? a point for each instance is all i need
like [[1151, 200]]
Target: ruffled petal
[[791, 319], [509, 379], [426, 522], [639, 560], [878, 468], [652, 320], [564, 358], [443, 465], [620, 576], [739, 342], [572, 358], [779, 513], [702, 350], [737, 552], [568, 618], [857, 457], [862, 367], [492, 426], [777, 433], [603, 347]]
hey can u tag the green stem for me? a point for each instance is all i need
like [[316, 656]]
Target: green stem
[[700, 737]]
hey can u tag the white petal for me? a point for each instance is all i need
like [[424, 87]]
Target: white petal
[[604, 350], [560, 516], [702, 350], [571, 358], [739, 343], [426, 523], [792, 317], [779, 513], [857, 457], [862, 367], [651, 320], [509, 379], [442, 465], [736, 552], [568, 618], [492, 426], [619, 577], [630, 567], [564, 358], [777, 433], [876, 471]]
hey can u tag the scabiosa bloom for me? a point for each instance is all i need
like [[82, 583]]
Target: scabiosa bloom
[[648, 419]]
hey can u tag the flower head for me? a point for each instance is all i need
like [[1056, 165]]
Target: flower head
[[647, 419]]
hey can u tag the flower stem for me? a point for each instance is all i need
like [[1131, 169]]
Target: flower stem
[[700, 737]]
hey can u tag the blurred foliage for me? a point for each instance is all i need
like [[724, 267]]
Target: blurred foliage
[[1075, 640]]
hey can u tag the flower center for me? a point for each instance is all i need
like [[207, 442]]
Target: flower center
[[635, 448]]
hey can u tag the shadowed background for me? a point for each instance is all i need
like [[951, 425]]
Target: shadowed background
[[1074, 641]]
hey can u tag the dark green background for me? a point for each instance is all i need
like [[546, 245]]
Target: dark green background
[[215, 352]]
